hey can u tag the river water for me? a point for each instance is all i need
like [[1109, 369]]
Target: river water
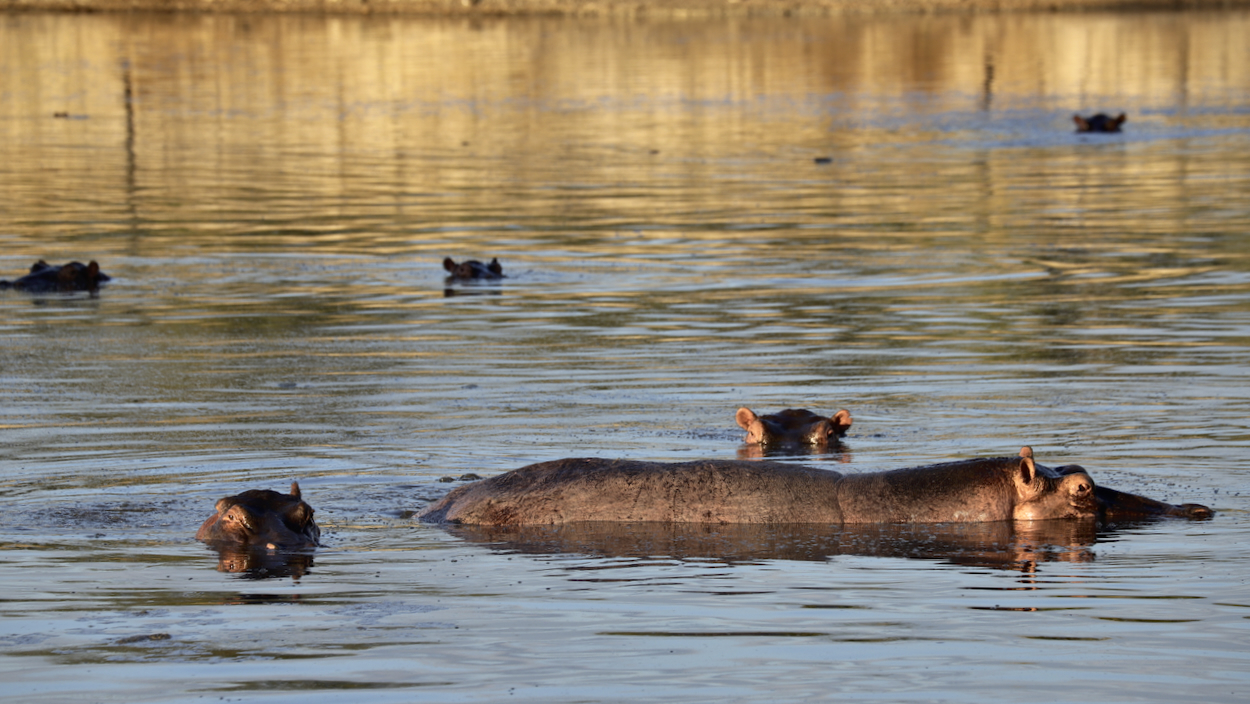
[[889, 215]]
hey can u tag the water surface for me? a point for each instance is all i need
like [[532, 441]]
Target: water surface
[[888, 215]]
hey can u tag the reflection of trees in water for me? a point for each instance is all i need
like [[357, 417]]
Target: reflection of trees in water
[[311, 120]]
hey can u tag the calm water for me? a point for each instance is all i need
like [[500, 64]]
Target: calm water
[[274, 195]]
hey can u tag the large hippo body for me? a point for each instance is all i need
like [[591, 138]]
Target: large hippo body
[[728, 491], [45, 277]]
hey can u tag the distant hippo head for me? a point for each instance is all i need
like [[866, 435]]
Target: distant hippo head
[[73, 276], [793, 426], [260, 518], [473, 269], [1099, 123]]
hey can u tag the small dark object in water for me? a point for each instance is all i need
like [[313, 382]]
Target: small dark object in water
[[823, 160], [1099, 123], [44, 277], [151, 637], [473, 269]]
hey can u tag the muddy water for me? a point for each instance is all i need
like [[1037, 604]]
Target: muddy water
[[890, 215]]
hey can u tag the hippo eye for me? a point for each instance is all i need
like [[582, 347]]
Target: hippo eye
[[239, 515]]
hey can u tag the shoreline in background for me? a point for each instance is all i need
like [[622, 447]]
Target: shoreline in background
[[619, 8]]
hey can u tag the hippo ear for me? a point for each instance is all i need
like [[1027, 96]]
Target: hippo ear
[[448, 264], [1028, 470], [745, 417], [1026, 451], [495, 267], [295, 489], [842, 419]]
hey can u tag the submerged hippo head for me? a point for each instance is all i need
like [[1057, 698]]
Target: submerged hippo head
[[1101, 122], [45, 277], [473, 269], [260, 518], [1114, 505], [1043, 493], [793, 426]]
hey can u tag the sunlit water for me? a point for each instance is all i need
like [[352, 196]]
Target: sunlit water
[[889, 215]]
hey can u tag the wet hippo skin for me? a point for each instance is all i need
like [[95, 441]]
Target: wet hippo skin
[[262, 519], [45, 277], [797, 426], [729, 491]]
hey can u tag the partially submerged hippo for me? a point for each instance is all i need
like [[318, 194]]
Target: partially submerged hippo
[[473, 269], [729, 491], [45, 277], [1101, 122], [793, 426], [262, 519]]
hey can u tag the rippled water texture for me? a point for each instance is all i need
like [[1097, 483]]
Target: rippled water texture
[[888, 215]]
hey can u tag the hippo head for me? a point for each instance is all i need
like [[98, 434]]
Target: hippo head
[[76, 276], [1099, 123], [793, 426], [260, 518], [473, 269], [1043, 493]]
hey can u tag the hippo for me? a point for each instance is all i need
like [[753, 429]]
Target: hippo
[[261, 519], [736, 491], [793, 426], [1099, 123], [473, 269], [45, 277]]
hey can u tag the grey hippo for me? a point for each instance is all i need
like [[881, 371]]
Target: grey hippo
[[753, 492]]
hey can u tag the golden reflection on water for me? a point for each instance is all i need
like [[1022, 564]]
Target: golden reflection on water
[[299, 130]]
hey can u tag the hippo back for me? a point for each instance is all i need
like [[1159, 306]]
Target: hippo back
[[577, 490]]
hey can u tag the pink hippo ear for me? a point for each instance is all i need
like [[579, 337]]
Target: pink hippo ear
[[748, 421], [1026, 451], [842, 420], [745, 417], [295, 489], [1028, 470]]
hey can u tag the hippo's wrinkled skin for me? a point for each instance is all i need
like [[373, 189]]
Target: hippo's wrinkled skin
[[45, 277], [260, 518], [729, 491], [793, 426], [473, 269], [1099, 123]]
